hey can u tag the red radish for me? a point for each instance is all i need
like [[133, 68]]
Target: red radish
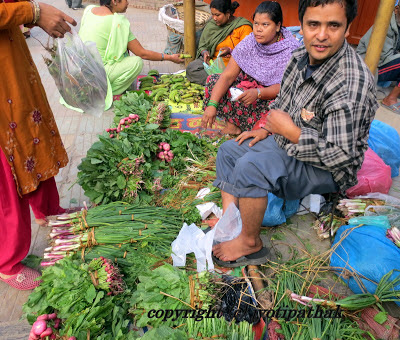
[[52, 316], [166, 147], [165, 152], [108, 130], [47, 332], [53, 336], [71, 338], [133, 116], [39, 327], [111, 136], [42, 317], [122, 127], [57, 323], [170, 154], [118, 130], [33, 335], [122, 121], [161, 155]]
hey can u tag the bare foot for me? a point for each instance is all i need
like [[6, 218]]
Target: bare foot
[[42, 222], [389, 101], [238, 247], [4, 276], [231, 129]]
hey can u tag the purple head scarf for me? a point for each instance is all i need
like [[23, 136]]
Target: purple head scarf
[[265, 63]]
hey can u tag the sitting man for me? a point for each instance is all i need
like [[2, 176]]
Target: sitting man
[[320, 121], [389, 61]]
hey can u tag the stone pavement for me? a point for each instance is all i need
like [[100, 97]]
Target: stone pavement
[[79, 132]]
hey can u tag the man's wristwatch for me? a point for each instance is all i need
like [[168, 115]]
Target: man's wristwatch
[[258, 93]]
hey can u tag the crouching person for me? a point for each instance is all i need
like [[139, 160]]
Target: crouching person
[[320, 123]]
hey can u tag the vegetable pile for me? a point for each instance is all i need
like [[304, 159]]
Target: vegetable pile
[[174, 87]]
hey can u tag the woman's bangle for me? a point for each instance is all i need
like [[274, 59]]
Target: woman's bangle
[[162, 56], [262, 127], [36, 12], [258, 93], [212, 103]]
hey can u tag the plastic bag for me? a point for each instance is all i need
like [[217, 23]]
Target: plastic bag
[[374, 176], [192, 239], [379, 221], [79, 74], [216, 66], [229, 226], [367, 251], [385, 141], [278, 210]]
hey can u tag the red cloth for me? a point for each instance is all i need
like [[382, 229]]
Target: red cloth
[[45, 201], [15, 218]]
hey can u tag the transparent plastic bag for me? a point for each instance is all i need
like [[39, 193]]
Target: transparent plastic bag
[[216, 66], [79, 74]]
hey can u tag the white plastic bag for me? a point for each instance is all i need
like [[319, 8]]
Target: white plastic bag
[[168, 15], [79, 74], [229, 226], [192, 239]]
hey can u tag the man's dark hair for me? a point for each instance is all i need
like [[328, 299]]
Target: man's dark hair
[[350, 6], [224, 6], [273, 9]]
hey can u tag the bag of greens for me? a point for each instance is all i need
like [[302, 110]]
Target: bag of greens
[[79, 74]]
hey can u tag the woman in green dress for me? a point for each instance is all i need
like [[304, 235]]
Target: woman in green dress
[[111, 32]]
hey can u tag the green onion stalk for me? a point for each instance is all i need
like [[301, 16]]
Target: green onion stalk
[[385, 292], [113, 224]]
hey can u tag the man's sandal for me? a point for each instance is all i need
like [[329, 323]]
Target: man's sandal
[[24, 280], [255, 259]]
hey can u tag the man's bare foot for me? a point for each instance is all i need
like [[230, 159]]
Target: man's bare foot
[[238, 247], [231, 129], [389, 101]]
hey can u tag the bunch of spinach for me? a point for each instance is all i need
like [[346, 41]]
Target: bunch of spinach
[[103, 181], [132, 102], [67, 288]]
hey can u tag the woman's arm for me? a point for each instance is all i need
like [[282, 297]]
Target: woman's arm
[[221, 87], [228, 76], [135, 47], [266, 93], [51, 19]]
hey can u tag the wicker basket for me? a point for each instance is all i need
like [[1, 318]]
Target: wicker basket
[[201, 17]]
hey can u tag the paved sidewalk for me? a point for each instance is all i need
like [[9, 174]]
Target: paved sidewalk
[[78, 132]]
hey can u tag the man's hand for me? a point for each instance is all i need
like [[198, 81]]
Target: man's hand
[[258, 135], [53, 21], [248, 97], [281, 123], [209, 116], [224, 51]]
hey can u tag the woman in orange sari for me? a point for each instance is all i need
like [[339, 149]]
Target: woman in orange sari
[[31, 150]]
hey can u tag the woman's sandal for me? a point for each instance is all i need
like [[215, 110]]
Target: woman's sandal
[[24, 280]]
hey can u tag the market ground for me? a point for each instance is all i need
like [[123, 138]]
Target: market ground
[[79, 132]]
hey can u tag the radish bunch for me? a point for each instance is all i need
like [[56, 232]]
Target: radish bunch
[[44, 327], [124, 123], [113, 279], [165, 153]]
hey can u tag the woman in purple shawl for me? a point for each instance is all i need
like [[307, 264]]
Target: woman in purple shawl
[[256, 66]]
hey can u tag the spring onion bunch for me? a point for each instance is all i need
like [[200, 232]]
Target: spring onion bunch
[[385, 292], [394, 235], [356, 206], [112, 224]]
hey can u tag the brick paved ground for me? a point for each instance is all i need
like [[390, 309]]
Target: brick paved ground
[[79, 132]]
